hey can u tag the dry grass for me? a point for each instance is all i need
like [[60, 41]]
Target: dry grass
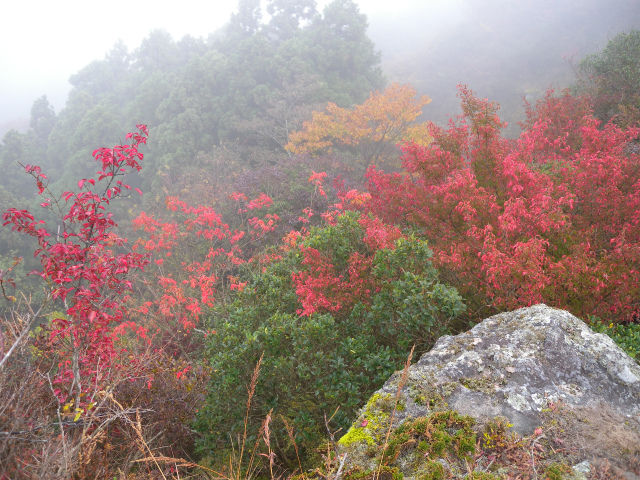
[[40, 439], [401, 384]]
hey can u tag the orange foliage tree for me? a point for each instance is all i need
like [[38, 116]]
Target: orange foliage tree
[[369, 131]]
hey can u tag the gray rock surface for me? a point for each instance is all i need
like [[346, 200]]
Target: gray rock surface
[[536, 367], [515, 364]]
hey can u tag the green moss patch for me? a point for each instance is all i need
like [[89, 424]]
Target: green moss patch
[[382, 473], [433, 436], [373, 422]]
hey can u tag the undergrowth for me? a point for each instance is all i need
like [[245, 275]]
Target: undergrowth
[[626, 336]]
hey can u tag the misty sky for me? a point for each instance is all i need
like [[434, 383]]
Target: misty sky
[[42, 43]]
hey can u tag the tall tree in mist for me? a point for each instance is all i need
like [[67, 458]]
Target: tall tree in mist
[[287, 17]]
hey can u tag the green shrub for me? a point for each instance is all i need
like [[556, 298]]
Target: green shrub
[[314, 364], [627, 337], [433, 471]]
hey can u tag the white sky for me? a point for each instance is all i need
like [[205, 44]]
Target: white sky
[[44, 42]]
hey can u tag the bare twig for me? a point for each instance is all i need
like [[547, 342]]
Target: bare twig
[[138, 429], [343, 458], [331, 434], [31, 317], [533, 461], [65, 447]]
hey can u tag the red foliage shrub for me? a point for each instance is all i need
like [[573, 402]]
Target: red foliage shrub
[[551, 217], [84, 270], [197, 253]]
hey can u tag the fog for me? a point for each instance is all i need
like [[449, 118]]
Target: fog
[[503, 49], [46, 42]]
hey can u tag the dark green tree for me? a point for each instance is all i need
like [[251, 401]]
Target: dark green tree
[[244, 23], [41, 123], [189, 47], [26, 148], [288, 16], [343, 54], [119, 59], [79, 103], [190, 116], [100, 126], [283, 112], [152, 92], [15, 149], [612, 78], [11, 243], [96, 78], [158, 51], [114, 75]]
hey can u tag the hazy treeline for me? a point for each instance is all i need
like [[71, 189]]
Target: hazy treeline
[[194, 93], [234, 97]]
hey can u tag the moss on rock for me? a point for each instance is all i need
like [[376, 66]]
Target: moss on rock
[[373, 421]]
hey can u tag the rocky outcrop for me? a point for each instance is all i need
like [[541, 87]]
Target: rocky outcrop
[[521, 366]]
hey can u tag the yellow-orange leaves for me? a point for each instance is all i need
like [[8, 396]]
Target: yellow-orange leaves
[[371, 131]]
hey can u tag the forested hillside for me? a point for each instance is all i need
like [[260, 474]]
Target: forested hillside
[[196, 94], [216, 108], [268, 227]]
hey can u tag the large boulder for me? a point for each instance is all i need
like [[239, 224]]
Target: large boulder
[[534, 367]]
